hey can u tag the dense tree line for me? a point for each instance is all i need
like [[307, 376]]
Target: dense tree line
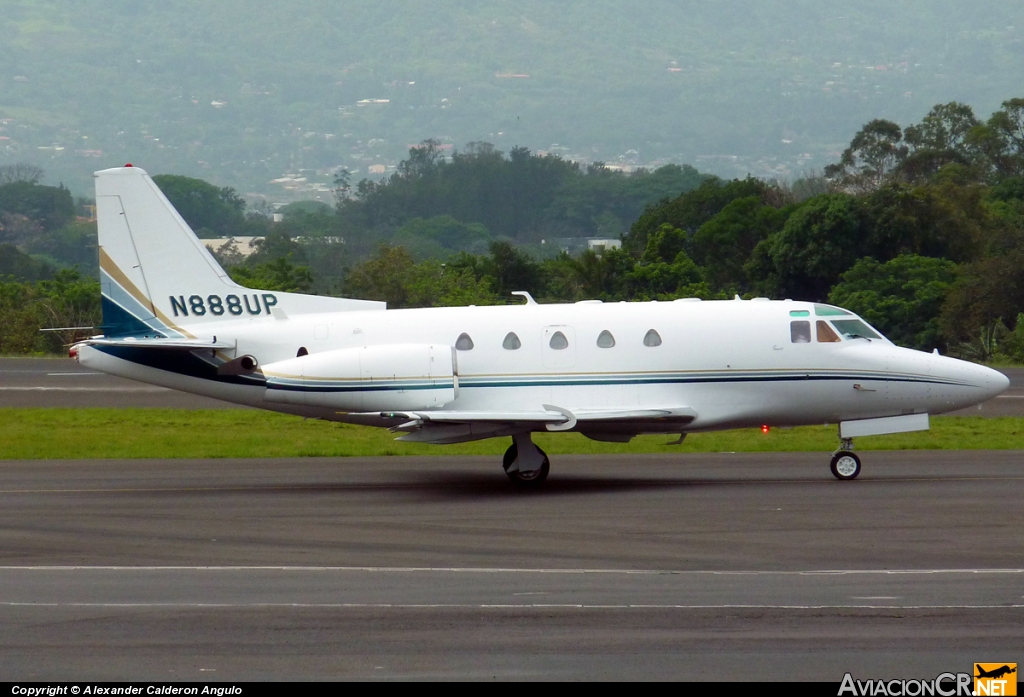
[[521, 197], [65, 301], [918, 229]]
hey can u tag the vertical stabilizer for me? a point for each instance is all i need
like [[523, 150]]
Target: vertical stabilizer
[[157, 277], [146, 253]]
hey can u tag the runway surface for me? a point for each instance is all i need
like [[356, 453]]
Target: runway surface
[[714, 567], [62, 382]]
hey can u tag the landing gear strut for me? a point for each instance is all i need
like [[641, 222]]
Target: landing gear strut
[[525, 464], [845, 465]]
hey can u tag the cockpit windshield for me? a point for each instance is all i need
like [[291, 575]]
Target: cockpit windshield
[[854, 329], [840, 325], [830, 311]]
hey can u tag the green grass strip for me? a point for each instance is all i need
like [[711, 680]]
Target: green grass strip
[[27, 434]]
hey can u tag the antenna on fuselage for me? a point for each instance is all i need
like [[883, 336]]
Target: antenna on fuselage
[[524, 294]]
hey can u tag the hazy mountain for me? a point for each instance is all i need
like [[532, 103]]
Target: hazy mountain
[[243, 93]]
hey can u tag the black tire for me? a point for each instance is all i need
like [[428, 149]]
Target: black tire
[[845, 466], [526, 480]]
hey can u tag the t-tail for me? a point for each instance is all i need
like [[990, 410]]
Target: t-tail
[[159, 281]]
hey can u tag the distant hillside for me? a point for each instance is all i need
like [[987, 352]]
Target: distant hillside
[[244, 93]]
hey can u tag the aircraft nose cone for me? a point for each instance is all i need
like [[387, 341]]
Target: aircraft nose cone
[[987, 383], [994, 383], [978, 383]]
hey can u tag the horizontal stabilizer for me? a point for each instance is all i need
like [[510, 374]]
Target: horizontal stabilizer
[[163, 344]]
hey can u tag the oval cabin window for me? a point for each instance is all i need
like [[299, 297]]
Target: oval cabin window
[[464, 343], [605, 339], [652, 338], [511, 342], [558, 341]]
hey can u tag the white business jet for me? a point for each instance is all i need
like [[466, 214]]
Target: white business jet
[[611, 371]]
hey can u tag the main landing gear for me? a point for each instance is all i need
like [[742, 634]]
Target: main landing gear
[[525, 464], [845, 465]]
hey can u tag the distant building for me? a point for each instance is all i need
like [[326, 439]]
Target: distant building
[[244, 245], [599, 244], [576, 245]]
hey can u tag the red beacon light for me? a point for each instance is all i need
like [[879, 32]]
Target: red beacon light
[[129, 164], [765, 428]]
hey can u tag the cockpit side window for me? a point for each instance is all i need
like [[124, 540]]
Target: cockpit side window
[[800, 332], [826, 335]]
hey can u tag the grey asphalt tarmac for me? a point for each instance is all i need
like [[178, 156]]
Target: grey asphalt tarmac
[[62, 382], [693, 566]]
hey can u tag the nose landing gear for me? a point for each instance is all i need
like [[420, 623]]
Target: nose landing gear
[[525, 464], [845, 464]]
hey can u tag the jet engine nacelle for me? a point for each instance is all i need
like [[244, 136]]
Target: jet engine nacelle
[[372, 378]]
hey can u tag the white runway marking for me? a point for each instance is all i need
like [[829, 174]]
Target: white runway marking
[[510, 606], [454, 587], [485, 570]]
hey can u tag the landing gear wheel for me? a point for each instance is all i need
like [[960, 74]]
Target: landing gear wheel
[[525, 479], [845, 465]]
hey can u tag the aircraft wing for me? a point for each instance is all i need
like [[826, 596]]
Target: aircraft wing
[[549, 415], [443, 426]]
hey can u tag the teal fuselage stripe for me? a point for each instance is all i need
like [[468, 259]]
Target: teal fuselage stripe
[[471, 383]]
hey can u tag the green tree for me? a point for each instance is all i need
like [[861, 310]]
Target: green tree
[[902, 297], [723, 245], [395, 278], [820, 240], [73, 245], [279, 274], [18, 266], [210, 211], [1001, 140], [20, 319], [588, 276], [48, 207], [941, 219], [441, 236], [511, 269], [690, 210], [70, 302], [987, 296], [875, 152], [942, 138]]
